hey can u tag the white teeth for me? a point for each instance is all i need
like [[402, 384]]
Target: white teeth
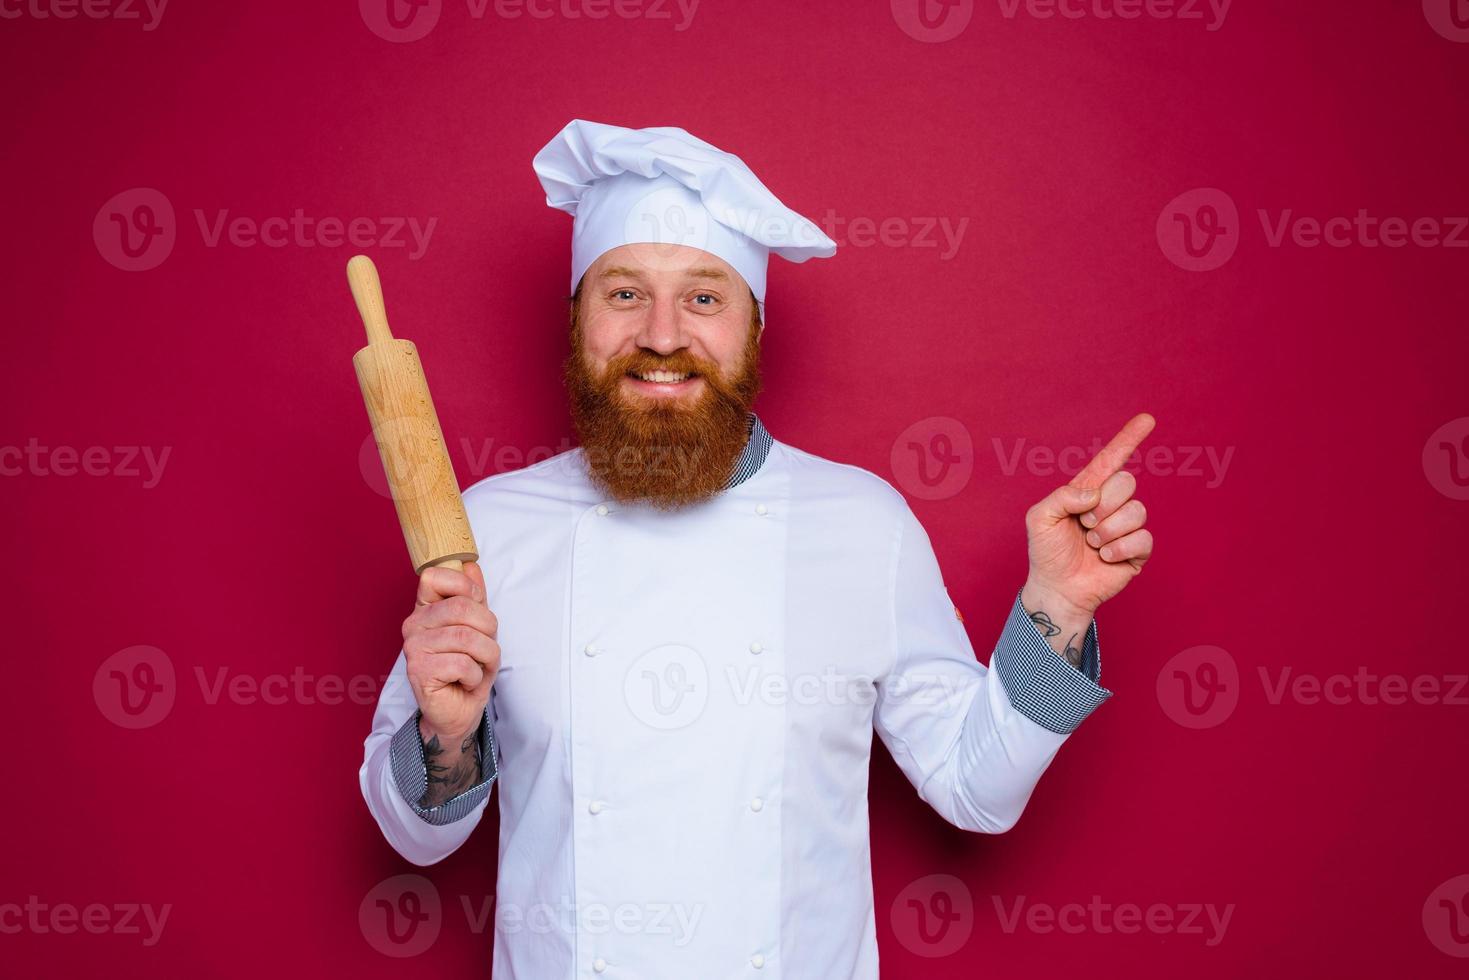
[[663, 377]]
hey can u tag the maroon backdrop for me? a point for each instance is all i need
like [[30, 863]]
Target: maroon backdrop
[[1247, 219]]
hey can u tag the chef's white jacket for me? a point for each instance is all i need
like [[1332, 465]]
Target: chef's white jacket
[[683, 717]]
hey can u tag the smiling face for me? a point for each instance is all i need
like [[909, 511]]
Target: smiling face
[[663, 369]]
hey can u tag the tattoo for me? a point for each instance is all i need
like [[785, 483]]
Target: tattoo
[[447, 780], [1073, 653], [1047, 627]]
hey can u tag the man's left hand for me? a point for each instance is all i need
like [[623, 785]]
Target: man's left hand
[[1087, 540]]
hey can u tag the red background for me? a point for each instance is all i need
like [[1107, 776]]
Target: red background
[[263, 549]]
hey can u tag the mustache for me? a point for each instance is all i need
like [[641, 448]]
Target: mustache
[[679, 362]]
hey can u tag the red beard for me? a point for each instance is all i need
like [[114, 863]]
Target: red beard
[[652, 450]]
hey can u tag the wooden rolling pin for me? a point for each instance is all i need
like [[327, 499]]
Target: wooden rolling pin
[[409, 439]]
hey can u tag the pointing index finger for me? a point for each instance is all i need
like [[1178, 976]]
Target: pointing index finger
[[1115, 453]]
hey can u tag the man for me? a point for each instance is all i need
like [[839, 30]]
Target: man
[[696, 628]]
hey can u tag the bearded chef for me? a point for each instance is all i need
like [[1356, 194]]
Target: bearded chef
[[685, 631]]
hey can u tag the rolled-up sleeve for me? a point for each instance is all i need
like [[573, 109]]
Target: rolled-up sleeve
[[410, 772], [393, 778], [1042, 685], [974, 741]]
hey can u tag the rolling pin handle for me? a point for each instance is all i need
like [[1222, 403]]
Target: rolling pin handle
[[367, 290]]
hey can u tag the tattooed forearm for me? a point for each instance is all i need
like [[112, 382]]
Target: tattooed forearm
[[1072, 651], [450, 774], [1048, 629]]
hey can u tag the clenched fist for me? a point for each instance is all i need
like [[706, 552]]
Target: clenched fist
[[453, 657]]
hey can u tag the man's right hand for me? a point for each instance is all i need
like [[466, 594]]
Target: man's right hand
[[453, 656]]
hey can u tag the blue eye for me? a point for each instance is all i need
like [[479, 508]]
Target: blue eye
[[624, 294], [704, 296]]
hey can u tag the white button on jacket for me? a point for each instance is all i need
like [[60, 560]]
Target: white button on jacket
[[673, 803]]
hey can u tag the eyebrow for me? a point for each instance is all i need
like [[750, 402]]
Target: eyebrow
[[623, 272]]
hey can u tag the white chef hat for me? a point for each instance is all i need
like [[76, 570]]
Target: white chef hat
[[662, 185]]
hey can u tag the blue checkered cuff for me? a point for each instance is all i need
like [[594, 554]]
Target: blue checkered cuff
[[1042, 684], [410, 772]]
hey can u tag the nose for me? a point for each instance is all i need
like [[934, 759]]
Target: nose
[[662, 330]]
